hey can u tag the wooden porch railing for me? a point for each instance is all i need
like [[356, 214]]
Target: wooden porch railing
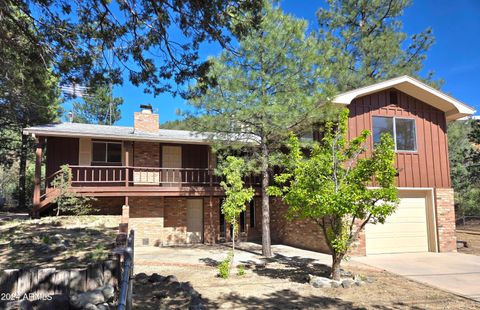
[[147, 176]]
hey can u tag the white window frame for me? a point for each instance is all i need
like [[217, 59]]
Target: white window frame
[[106, 152], [395, 132]]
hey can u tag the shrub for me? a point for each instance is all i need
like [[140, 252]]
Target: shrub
[[224, 266], [241, 270]]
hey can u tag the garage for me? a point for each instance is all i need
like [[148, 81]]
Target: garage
[[409, 229]]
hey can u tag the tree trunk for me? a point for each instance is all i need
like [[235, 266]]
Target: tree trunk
[[22, 179], [336, 263], [266, 242], [233, 247]]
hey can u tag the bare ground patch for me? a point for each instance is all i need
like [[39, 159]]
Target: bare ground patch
[[282, 284], [62, 242]]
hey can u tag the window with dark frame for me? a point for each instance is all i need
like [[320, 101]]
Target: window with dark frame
[[403, 131], [243, 225], [106, 152]]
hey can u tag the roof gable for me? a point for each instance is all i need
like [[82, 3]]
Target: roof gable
[[453, 108]]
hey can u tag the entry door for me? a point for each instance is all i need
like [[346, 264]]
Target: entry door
[[171, 158], [404, 231], [194, 220]]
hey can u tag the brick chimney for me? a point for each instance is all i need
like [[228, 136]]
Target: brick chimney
[[146, 120]]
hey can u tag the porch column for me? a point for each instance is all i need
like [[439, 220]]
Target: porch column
[[38, 175], [128, 147]]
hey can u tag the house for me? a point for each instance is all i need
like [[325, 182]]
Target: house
[[162, 182]]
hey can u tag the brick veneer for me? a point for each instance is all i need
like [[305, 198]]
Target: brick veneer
[[211, 220], [299, 233], [444, 200], [108, 206], [146, 154], [146, 217], [146, 122]]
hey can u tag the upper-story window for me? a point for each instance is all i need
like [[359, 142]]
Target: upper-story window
[[403, 131], [106, 152]]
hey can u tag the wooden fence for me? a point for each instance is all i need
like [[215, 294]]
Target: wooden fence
[[52, 281]]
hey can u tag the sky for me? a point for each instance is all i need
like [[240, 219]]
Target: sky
[[455, 56]]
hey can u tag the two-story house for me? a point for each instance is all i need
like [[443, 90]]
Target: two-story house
[[162, 183]]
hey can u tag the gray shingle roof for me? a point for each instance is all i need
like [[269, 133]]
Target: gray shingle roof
[[116, 132]]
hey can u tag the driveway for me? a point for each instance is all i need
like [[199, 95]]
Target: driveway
[[455, 272]]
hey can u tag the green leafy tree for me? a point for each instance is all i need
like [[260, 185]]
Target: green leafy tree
[[237, 196], [28, 92], [366, 42], [98, 108], [67, 200], [156, 43], [332, 186], [272, 84]]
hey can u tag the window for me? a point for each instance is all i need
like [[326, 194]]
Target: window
[[242, 221], [402, 130], [107, 152], [252, 213]]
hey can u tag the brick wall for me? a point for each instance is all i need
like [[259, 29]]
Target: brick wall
[[146, 122], [175, 231], [303, 234], [108, 205], [444, 200], [211, 220], [146, 154]]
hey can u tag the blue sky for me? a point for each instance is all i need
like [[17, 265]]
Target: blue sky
[[455, 57]]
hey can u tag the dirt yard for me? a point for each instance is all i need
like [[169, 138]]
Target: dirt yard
[[282, 284], [471, 234], [65, 241]]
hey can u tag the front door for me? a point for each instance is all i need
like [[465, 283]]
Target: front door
[[194, 220], [171, 158]]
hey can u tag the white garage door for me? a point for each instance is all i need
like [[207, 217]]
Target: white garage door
[[404, 231]]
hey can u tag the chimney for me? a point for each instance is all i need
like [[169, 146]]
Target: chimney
[[145, 120]]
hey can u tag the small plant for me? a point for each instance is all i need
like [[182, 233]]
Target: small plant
[[97, 254], [46, 239], [224, 266], [241, 270]]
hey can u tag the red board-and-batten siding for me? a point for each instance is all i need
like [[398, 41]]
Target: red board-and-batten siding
[[429, 165]]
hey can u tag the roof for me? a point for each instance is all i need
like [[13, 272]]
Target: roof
[[117, 132], [453, 108]]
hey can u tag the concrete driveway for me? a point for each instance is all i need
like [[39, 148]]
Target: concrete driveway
[[455, 272]]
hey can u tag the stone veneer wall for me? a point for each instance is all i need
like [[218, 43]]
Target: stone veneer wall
[[444, 201]]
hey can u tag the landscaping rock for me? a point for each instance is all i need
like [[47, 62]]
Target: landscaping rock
[[153, 278], [171, 279], [369, 280], [57, 302], [92, 297], [108, 292], [345, 273], [320, 282], [346, 283], [90, 307], [19, 305], [104, 306], [336, 284], [359, 283]]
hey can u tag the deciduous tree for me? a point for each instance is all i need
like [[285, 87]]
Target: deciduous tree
[[339, 186], [237, 196]]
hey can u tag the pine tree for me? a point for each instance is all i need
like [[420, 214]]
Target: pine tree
[[273, 83], [368, 42], [98, 108]]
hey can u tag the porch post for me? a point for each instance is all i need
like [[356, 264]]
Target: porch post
[[38, 176], [127, 147]]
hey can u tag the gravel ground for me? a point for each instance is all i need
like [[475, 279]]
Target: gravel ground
[[282, 284]]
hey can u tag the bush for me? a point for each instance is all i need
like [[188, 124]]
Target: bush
[[224, 266], [241, 270]]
